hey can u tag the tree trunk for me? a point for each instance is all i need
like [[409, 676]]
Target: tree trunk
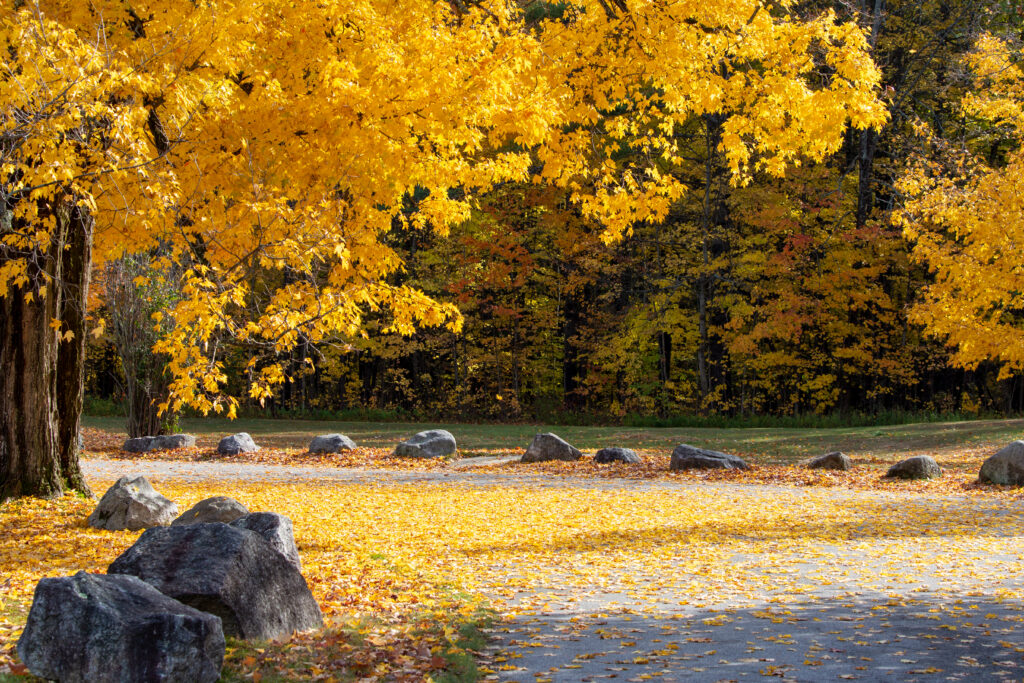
[[42, 382], [869, 137], [76, 267]]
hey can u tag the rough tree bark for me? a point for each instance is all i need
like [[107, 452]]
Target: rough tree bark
[[41, 384]]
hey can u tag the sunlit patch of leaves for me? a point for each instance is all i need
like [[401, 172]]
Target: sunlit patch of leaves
[[384, 619]]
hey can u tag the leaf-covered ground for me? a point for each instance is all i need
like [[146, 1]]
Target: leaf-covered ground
[[656, 575]]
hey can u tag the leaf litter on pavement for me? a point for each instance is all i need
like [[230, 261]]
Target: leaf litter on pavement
[[405, 573]]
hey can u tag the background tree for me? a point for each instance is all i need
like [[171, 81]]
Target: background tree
[[136, 287]]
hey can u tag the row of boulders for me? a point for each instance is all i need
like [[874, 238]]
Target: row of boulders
[[546, 447], [1005, 467], [163, 609], [434, 443]]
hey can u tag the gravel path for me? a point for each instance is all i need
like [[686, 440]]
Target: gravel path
[[866, 615]]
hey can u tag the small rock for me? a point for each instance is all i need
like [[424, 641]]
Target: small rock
[[227, 571], [1006, 467], [917, 467], [609, 455], [171, 441], [139, 444], [331, 443], [549, 446], [96, 628], [686, 457], [435, 443], [237, 443], [830, 461], [276, 530], [216, 509], [132, 504]]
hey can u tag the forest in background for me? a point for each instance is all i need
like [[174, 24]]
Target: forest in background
[[785, 297]]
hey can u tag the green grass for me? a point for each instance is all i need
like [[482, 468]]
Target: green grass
[[772, 443], [461, 656]]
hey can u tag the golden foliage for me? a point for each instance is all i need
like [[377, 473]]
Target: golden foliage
[[966, 217], [267, 136]]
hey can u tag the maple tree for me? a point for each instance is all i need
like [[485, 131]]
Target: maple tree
[[965, 217], [260, 136]]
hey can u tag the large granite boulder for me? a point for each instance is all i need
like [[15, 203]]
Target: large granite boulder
[[143, 444], [92, 628], [830, 461], [237, 443], [686, 457], [276, 530], [434, 443], [917, 467], [549, 446], [1006, 467], [171, 441], [331, 443], [132, 504], [139, 444], [216, 509], [610, 455], [227, 571]]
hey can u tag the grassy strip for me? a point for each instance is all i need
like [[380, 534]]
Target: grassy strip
[[441, 648]]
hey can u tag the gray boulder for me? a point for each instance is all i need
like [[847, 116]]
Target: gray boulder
[[917, 467], [132, 504], [143, 444], [609, 455], [686, 457], [276, 530], [98, 629], [435, 443], [237, 443], [171, 441], [549, 446], [139, 444], [331, 443], [216, 509], [1006, 467], [227, 571], [830, 461]]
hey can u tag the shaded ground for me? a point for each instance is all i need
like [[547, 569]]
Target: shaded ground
[[858, 637]]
